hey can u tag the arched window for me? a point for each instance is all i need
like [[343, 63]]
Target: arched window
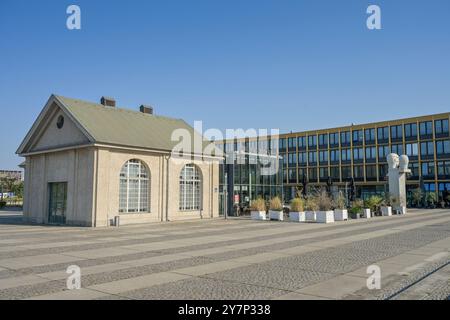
[[134, 188], [190, 188]]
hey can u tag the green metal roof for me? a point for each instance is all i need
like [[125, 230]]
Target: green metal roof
[[111, 125]]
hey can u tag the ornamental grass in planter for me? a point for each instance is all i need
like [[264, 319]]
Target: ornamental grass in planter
[[324, 203], [258, 209], [276, 209], [311, 207], [386, 207], [340, 208], [372, 205], [297, 212]]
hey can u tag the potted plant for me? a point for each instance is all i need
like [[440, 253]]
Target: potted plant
[[325, 214], [276, 209], [311, 208], [431, 199], [297, 212], [386, 207], [356, 209], [340, 211], [417, 197], [371, 206], [258, 209]]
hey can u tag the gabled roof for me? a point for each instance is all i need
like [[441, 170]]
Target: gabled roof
[[119, 127]]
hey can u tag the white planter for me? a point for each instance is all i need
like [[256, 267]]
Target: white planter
[[402, 210], [366, 214], [276, 215], [325, 216], [258, 215], [340, 215], [297, 216], [386, 211], [310, 216]]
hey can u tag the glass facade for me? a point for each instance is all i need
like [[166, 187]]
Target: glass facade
[[359, 152]]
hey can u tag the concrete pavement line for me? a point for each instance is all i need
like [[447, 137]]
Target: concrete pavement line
[[81, 294]]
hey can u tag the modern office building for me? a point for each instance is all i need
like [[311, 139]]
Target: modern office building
[[358, 152], [92, 164]]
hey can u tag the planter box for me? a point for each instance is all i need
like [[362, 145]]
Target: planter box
[[310, 216], [402, 210], [366, 214], [258, 215], [340, 215], [297, 216], [276, 215], [325, 216], [386, 211]]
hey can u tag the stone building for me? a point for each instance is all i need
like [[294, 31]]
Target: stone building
[[87, 164]]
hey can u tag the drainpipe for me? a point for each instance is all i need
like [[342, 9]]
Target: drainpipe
[[167, 158]]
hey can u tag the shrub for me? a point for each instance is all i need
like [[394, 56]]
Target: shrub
[[431, 199], [340, 202], [324, 201], [275, 204], [373, 203], [417, 196], [311, 203], [357, 206], [297, 205], [2, 204], [258, 205]]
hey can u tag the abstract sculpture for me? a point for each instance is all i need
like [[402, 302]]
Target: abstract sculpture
[[398, 168]]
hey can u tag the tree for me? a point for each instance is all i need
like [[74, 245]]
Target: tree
[[7, 185]]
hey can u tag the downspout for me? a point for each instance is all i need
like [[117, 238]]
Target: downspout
[[167, 187]]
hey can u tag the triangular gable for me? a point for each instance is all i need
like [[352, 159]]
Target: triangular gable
[[45, 134]]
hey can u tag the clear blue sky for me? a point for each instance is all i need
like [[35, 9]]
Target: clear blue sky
[[291, 64]]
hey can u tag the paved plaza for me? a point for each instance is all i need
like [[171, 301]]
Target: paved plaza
[[233, 259]]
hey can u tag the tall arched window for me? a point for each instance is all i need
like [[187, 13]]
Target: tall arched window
[[190, 188], [134, 188]]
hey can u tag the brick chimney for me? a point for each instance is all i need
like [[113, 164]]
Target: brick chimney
[[108, 102], [146, 109]]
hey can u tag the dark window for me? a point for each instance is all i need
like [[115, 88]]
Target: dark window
[[334, 139], [358, 136], [346, 155], [426, 149], [346, 172], [358, 154], [397, 132], [369, 135], [292, 176], [292, 159], [428, 169], [312, 174], [426, 128], [411, 130], [302, 158], [443, 168], [383, 170], [371, 153], [301, 174], [383, 152], [323, 173], [312, 141], [397, 148], [334, 155], [383, 133], [412, 150], [301, 142], [282, 144], [323, 140], [323, 156], [441, 127], [443, 147], [414, 167], [334, 173], [371, 172], [345, 137], [358, 172], [312, 157], [292, 144]]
